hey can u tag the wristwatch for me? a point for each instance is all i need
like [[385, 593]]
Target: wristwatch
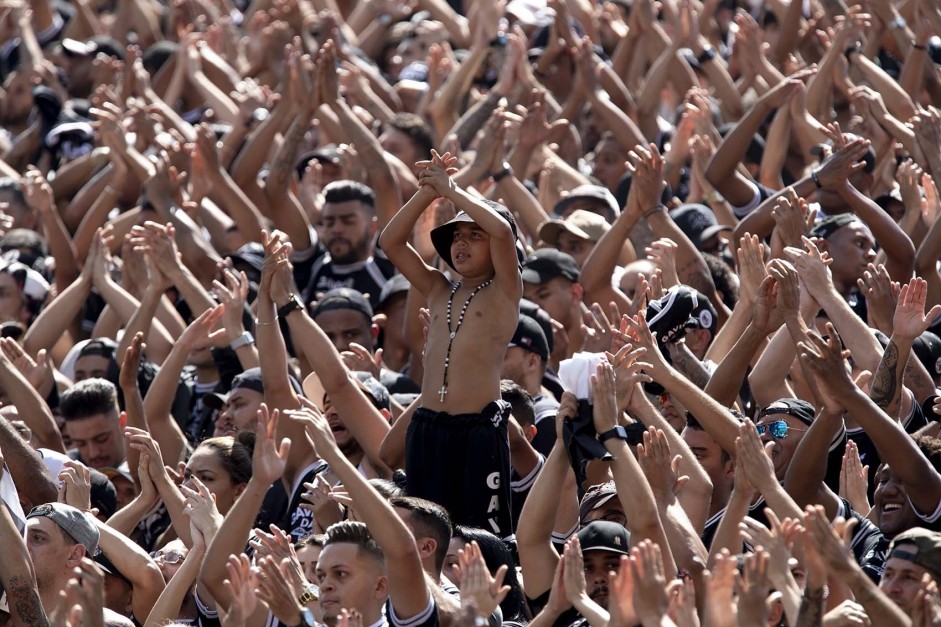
[[310, 593], [618, 432], [502, 173], [293, 304], [243, 340]]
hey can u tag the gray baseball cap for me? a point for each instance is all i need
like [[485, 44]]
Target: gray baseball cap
[[73, 521]]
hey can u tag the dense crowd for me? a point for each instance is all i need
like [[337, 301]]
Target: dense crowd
[[470, 312]]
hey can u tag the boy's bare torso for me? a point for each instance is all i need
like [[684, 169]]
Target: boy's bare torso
[[476, 353]]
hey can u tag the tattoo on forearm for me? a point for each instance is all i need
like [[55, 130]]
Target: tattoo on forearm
[[811, 612], [885, 383], [24, 602], [692, 368]]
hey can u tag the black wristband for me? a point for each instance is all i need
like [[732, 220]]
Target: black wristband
[[850, 50], [290, 306], [506, 171], [708, 54], [816, 179], [618, 432]]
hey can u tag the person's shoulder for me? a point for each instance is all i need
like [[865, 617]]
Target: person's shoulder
[[426, 618]]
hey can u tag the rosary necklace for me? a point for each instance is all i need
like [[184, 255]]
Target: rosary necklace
[[460, 319]]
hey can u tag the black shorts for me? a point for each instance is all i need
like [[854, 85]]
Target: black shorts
[[463, 463]]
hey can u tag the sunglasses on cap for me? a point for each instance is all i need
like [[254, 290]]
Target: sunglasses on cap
[[778, 429]]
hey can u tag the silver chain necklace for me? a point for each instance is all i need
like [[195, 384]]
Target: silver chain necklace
[[452, 334]]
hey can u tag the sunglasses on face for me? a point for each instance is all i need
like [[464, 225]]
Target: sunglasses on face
[[168, 557], [778, 429]]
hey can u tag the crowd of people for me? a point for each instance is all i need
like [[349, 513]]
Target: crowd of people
[[470, 312]]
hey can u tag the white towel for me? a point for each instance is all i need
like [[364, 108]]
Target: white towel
[[575, 374]]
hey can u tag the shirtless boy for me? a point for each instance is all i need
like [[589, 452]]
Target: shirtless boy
[[457, 453]]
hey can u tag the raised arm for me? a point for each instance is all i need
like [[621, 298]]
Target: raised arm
[[394, 241], [17, 576], [371, 154], [715, 419], [634, 492], [408, 591], [538, 557], [895, 447], [134, 563], [30, 406], [268, 462], [26, 467]]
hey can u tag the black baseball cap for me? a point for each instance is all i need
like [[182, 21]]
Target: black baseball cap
[[698, 222], [249, 379], [398, 284], [530, 336], [682, 308], [828, 225], [343, 298], [377, 393], [927, 348], [603, 535], [541, 316], [800, 409], [548, 263], [328, 154]]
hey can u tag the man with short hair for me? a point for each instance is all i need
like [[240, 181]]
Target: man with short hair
[[90, 409], [58, 537], [525, 364], [349, 233], [912, 555], [550, 279]]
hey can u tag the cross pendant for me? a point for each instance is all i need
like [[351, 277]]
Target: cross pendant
[[442, 393]]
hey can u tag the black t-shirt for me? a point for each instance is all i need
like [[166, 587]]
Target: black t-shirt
[[285, 511], [366, 277], [869, 545]]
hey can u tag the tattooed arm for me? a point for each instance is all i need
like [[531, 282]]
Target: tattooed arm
[[886, 390], [687, 363], [812, 608], [16, 575]]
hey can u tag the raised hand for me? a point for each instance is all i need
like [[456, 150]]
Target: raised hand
[[663, 253], [751, 266], [486, 591], [232, 294], [75, 486], [269, 460], [882, 296], [659, 466], [910, 320], [650, 594], [646, 167], [854, 479], [241, 584], [754, 457], [825, 358], [753, 592], [605, 408], [812, 266], [628, 375]]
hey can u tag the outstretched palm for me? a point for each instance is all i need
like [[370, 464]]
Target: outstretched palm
[[910, 320]]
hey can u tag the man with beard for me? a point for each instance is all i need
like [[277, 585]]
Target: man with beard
[[349, 231]]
